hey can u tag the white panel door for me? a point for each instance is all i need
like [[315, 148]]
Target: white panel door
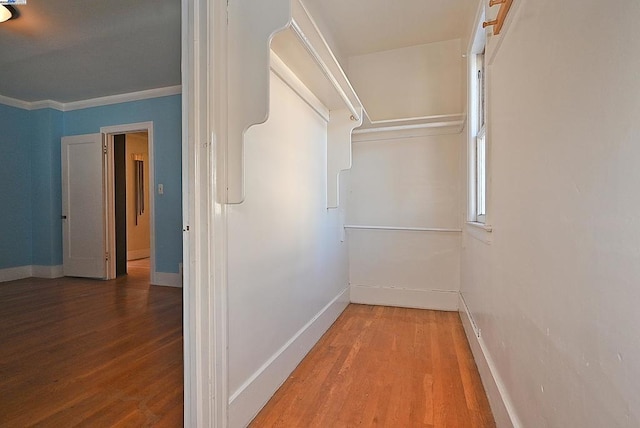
[[83, 210]]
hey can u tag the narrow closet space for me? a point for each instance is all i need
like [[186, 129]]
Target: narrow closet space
[[345, 198]]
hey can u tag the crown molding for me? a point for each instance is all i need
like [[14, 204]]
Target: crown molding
[[93, 102], [55, 105], [13, 102], [123, 98]]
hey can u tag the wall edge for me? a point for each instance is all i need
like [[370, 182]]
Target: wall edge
[[15, 273], [499, 400], [39, 271], [438, 300], [166, 279], [248, 400]]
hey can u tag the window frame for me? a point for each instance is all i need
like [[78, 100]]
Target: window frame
[[478, 152]]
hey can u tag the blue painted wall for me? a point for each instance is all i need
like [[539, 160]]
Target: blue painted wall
[[30, 177], [46, 196], [165, 112], [15, 187]]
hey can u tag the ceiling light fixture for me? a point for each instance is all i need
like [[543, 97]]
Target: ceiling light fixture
[[7, 13]]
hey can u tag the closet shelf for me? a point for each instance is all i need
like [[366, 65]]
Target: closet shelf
[[282, 35], [403, 228], [304, 50], [410, 127]]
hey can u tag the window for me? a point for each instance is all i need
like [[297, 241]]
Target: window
[[480, 145], [477, 152]]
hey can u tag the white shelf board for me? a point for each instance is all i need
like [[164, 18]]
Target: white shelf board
[[287, 46], [410, 127], [305, 61]]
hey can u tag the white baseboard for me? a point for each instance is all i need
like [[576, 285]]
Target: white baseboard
[[47, 271], [246, 402], [138, 254], [166, 279], [21, 272], [499, 400], [406, 298], [11, 274]]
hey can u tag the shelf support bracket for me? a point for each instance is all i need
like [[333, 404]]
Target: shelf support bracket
[[251, 25], [341, 125]]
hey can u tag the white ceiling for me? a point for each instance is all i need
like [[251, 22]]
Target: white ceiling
[[69, 50], [365, 26]]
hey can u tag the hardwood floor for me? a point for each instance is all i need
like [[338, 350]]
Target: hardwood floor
[[109, 353], [91, 353], [386, 367]]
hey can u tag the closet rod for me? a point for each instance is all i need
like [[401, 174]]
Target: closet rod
[[415, 229], [419, 119], [408, 127], [324, 68]]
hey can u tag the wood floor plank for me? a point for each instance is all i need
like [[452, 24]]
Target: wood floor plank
[[79, 352], [384, 367]]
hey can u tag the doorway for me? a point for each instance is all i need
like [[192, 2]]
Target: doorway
[[131, 194]]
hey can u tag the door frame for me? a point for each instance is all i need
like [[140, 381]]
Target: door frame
[[204, 136], [110, 224]]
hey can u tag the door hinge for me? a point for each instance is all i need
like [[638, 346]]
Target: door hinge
[[106, 256], [104, 148]]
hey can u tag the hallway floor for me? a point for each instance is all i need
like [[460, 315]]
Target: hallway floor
[[89, 352], [385, 367]]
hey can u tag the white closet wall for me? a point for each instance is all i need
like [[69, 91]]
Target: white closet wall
[[404, 209], [416, 81], [554, 292], [406, 183], [287, 265]]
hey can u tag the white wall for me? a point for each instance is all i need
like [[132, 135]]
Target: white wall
[[407, 179], [423, 80], [556, 292], [406, 182], [287, 264]]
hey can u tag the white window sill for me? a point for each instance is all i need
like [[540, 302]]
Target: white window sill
[[479, 231], [483, 226]]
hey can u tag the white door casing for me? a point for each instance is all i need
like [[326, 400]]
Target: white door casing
[[110, 244], [83, 202], [204, 131]]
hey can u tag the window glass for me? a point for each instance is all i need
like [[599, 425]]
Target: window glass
[[481, 179], [478, 143]]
